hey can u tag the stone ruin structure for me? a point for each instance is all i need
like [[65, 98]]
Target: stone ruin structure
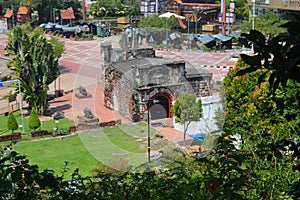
[[136, 80], [88, 120]]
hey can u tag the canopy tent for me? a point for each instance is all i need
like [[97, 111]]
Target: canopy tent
[[222, 37], [207, 38]]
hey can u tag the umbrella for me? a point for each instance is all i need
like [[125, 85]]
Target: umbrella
[[167, 15]]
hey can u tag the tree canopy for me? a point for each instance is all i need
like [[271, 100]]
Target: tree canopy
[[268, 24], [187, 109], [157, 22]]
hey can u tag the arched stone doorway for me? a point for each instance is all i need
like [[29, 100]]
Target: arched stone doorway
[[160, 106]]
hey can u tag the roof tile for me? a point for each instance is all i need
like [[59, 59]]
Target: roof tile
[[23, 10], [67, 13], [8, 13]]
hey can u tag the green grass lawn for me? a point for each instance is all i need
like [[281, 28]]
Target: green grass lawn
[[85, 150], [52, 154]]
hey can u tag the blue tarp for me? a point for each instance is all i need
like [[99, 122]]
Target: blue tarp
[[235, 34], [222, 37], [71, 29], [61, 26], [207, 38], [198, 136]]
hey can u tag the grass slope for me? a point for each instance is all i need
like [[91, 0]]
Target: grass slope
[[84, 151], [52, 154]]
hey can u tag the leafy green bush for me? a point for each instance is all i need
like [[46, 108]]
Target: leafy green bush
[[34, 121], [12, 123]]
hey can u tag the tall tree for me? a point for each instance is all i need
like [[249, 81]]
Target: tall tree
[[242, 8], [267, 23], [186, 110], [12, 123], [35, 63]]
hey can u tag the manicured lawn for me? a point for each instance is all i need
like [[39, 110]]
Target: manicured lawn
[[86, 150], [52, 154]]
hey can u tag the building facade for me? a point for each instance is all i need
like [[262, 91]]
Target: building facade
[[290, 5], [137, 81]]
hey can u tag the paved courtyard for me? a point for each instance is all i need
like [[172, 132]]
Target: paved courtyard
[[81, 66]]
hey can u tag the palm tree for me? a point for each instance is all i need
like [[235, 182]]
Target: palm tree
[[35, 63]]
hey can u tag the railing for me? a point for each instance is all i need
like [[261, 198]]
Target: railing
[[11, 107]]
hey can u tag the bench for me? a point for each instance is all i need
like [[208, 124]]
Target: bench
[[40, 133], [10, 137]]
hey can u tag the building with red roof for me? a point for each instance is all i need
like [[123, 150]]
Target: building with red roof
[[67, 15], [24, 14]]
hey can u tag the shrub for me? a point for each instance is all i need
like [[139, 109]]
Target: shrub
[[34, 121], [12, 123]]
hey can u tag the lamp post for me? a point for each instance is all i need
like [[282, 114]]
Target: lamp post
[[56, 122], [70, 14], [224, 17], [147, 103], [253, 13], [148, 122]]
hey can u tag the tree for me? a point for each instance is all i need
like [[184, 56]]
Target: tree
[[267, 23], [157, 22], [186, 110], [242, 8], [12, 123], [34, 121], [35, 64], [134, 9]]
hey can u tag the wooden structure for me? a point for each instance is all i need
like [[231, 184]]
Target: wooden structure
[[24, 15], [195, 11], [67, 15], [122, 22], [9, 19]]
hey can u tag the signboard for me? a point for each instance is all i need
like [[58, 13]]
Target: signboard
[[277, 4]]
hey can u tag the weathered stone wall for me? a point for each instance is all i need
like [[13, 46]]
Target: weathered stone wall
[[124, 90], [112, 79], [161, 75], [140, 53], [201, 88]]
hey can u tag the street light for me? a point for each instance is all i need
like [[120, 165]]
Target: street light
[[147, 103], [253, 13], [56, 122]]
